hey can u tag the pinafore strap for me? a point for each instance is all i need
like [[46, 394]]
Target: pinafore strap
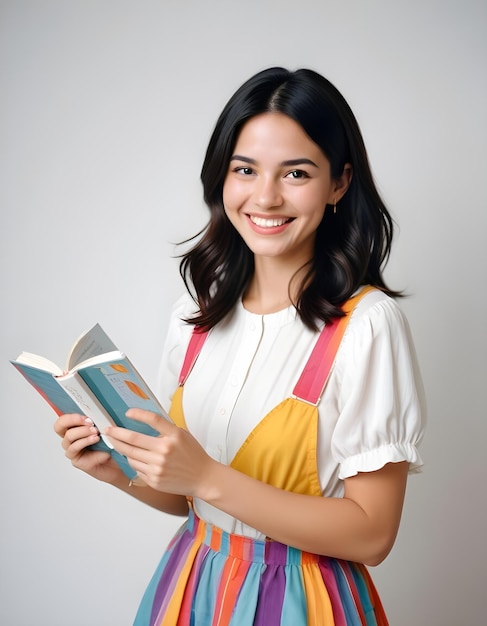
[[315, 374], [198, 338]]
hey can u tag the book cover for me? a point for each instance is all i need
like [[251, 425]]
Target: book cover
[[103, 387]]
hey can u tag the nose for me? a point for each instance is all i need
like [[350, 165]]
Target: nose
[[267, 193]]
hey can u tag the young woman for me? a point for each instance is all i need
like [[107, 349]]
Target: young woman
[[291, 377]]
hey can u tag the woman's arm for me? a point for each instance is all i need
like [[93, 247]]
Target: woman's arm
[[167, 502], [361, 526]]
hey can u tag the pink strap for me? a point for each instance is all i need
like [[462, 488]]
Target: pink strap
[[196, 342], [315, 374]]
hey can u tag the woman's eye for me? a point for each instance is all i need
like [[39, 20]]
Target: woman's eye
[[247, 171], [297, 174]]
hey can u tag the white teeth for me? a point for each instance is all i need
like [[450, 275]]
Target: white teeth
[[268, 222]]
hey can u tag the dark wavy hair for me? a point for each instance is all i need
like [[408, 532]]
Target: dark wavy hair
[[351, 246]]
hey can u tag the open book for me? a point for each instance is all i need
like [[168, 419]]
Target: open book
[[99, 381]]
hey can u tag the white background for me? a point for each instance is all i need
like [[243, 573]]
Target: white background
[[106, 109]]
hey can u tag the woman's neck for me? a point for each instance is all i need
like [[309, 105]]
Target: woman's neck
[[273, 287]]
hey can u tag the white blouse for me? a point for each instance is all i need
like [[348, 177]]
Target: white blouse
[[372, 411]]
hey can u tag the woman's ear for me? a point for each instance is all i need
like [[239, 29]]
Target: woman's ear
[[342, 183]]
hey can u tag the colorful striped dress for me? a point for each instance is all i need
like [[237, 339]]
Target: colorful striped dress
[[209, 577]]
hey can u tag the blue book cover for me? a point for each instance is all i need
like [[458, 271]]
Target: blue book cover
[[119, 387], [103, 387]]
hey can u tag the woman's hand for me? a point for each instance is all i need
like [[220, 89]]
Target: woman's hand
[[78, 433], [174, 462]]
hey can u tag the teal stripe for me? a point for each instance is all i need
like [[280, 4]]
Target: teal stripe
[[348, 603], [246, 606], [364, 596], [209, 583], [294, 609]]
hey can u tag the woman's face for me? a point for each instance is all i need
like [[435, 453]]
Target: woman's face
[[277, 187]]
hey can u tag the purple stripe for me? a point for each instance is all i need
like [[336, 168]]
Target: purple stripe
[[193, 581], [170, 575], [272, 586]]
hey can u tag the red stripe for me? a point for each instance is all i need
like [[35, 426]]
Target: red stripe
[[232, 579]]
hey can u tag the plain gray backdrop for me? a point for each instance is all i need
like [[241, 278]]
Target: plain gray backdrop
[[106, 109]]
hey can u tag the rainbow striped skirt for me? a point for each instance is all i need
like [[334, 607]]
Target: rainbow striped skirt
[[208, 577]]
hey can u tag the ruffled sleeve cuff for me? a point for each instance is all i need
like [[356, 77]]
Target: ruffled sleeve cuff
[[373, 460]]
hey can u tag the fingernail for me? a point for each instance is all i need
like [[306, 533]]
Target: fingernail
[[88, 420]]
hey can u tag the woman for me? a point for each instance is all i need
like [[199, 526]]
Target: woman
[[303, 404]]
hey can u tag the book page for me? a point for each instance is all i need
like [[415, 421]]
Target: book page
[[46, 385], [88, 403], [91, 344], [39, 362]]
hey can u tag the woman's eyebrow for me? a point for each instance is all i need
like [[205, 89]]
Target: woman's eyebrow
[[239, 157], [302, 161], [290, 162]]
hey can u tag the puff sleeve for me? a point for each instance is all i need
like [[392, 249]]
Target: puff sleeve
[[381, 405]]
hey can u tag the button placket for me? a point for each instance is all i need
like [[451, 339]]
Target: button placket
[[232, 386]]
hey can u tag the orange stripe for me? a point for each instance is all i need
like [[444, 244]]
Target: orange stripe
[[216, 539], [318, 603], [233, 574], [170, 617]]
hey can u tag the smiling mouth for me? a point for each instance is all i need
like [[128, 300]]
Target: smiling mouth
[[269, 222]]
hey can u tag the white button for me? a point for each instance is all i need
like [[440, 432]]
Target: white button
[[222, 411]]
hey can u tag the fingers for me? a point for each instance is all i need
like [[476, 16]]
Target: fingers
[[77, 432], [131, 444], [81, 434], [142, 450], [74, 449], [69, 420], [151, 419]]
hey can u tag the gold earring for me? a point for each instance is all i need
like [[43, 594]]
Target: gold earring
[[334, 205]]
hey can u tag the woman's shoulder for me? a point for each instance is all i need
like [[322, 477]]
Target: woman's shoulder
[[377, 307], [179, 330], [184, 303], [377, 319], [184, 306]]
